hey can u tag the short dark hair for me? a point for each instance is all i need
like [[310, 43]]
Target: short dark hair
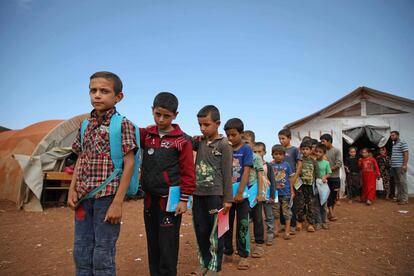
[[355, 148], [306, 138], [234, 123], [321, 147], [116, 81], [285, 132], [326, 137], [166, 100], [314, 142], [395, 132], [260, 144], [250, 134], [278, 148], [305, 144], [209, 110]]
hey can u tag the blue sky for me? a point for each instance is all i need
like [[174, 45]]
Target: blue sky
[[267, 62]]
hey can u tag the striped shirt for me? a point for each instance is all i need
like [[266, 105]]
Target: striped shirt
[[397, 156]]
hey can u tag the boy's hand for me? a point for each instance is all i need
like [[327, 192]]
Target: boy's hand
[[292, 194], [114, 213], [181, 208], [260, 198], [226, 207], [72, 198], [239, 197]]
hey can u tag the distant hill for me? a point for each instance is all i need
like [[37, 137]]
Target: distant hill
[[4, 129]]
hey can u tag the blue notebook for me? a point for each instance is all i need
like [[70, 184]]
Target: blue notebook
[[236, 188], [174, 198], [252, 194]]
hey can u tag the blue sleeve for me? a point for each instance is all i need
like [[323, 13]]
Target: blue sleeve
[[289, 170], [298, 155], [247, 156]]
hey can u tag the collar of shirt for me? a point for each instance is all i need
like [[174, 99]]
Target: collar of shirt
[[106, 118]]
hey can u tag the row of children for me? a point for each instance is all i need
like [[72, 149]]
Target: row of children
[[167, 161]]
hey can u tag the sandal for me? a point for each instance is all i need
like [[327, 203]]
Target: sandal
[[199, 271], [258, 251], [243, 264], [286, 236]]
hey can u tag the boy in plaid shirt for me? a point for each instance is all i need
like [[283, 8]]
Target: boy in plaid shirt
[[97, 220]]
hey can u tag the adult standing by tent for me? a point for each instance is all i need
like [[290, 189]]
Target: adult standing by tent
[[399, 161], [334, 182]]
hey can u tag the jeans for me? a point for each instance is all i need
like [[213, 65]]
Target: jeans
[[269, 219], [400, 180], [95, 240]]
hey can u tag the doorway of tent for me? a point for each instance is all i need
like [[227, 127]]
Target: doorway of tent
[[368, 137]]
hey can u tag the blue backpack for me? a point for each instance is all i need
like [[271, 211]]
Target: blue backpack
[[115, 143]]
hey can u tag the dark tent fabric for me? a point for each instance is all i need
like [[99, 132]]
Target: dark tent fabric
[[373, 135]]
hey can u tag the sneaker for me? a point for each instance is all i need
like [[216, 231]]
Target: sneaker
[[243, 264], [325, 226], [369, 202], [310, 228]]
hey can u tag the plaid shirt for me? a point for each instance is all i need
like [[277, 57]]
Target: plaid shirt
[[95, 159]]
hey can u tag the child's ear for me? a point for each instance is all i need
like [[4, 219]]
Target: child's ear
[[175, 114], [218, 122], [119, 97]]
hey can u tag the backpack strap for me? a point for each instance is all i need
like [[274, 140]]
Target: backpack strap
[[116, 152], [84, 125]]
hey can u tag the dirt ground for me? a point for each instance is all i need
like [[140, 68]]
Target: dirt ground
[[375, 240]]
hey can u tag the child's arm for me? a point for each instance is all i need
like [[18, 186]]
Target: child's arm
[[227, 172], [272, 180], [114, 213], [187, 175], [377, 170], [260, 190], [291, 183], [298, 170], [72, 194], [243, 182]]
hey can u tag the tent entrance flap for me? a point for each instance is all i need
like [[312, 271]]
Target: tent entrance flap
[[377, 135]]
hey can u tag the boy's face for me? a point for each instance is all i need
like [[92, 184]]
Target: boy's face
[[352, 152], [248, 140], [326, 143], [208, 127], [163, 117], [234, 137], [259, 150], [278, 156], [284, 141], [319, 153], [102, 94], [306, 151]]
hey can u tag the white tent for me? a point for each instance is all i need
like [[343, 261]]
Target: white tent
[[364, 111]]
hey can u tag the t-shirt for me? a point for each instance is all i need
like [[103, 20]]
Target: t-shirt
[[352, 164], [214, 168], [334, 158], [324, 168], [397, 156], [310, 171], [241, 158], [257, 167], [282, 171], [292, 155]]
